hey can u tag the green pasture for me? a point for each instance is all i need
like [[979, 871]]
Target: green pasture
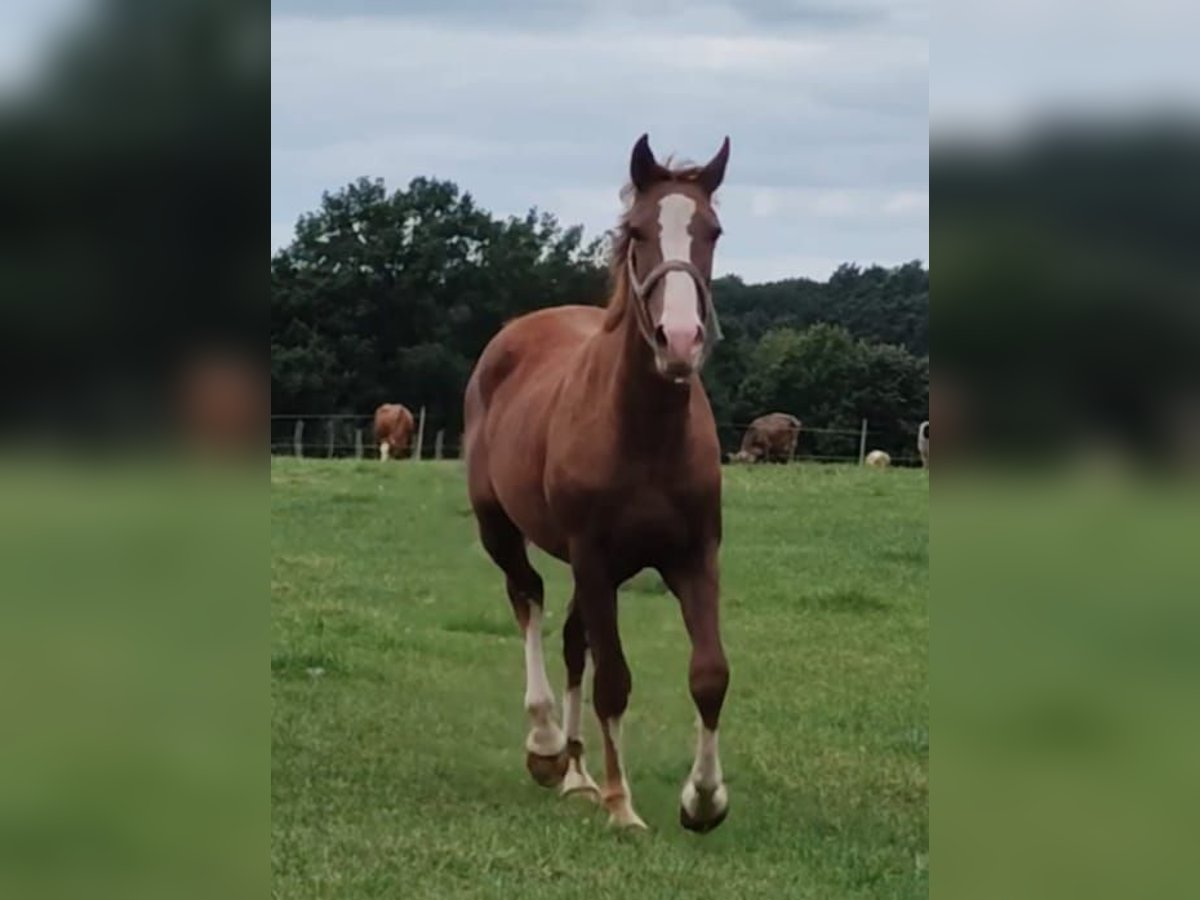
[[397, 681]]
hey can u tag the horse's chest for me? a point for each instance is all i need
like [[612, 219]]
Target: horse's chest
[[635, 509], [643, 526], [651, 519]]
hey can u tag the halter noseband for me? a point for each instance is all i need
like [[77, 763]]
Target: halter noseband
[[641, 293]]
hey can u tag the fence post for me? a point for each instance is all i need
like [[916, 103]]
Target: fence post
[[298, 438], [329, 427], [862, 444], [437, 444], [358, 443], [420, 435]]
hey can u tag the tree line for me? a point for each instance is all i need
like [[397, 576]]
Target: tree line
[[392, 296]]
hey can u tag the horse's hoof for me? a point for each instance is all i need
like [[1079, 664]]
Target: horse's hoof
[[591, 795], [701, 826], [580, 784], [702, 810], [548, 771], [627, 821]]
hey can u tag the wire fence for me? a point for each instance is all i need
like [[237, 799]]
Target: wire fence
[[350, 436]]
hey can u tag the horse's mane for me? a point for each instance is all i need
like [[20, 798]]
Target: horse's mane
[[619, 239]]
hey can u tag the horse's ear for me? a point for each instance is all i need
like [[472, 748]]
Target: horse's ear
[[644, 169], [713, 174]]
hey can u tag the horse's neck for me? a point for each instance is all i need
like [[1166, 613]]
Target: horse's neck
[[651, 405]]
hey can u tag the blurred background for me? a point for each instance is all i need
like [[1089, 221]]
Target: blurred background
[[133, 166], [133, 212], [1064, 179]]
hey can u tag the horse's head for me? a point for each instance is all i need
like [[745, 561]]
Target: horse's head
[[669, 236]]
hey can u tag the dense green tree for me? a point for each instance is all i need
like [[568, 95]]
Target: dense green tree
[[832, 380], [885, 305], [391, 297]]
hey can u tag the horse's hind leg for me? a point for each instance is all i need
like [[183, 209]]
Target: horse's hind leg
[[596, 597], [545, 745], [577, 780]]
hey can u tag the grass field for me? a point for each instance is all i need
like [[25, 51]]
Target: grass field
[[397, 683]]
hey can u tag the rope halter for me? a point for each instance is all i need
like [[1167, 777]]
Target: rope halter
[[641, 293]]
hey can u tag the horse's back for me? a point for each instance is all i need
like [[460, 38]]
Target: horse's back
[[533, 347]]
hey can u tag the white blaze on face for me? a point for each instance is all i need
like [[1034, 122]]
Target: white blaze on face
[[680, 315]]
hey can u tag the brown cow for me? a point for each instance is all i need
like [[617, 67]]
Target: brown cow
[[770, 438], [393, 429]]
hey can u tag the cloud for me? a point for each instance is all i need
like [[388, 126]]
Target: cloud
[[770, 202], [828, 120], [682, 15]]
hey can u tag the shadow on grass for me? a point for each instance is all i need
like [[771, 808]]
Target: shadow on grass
[[851, 600]]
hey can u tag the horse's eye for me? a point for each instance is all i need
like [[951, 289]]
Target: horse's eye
[[717, 232]]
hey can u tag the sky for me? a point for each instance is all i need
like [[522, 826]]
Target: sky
[[539, 104]]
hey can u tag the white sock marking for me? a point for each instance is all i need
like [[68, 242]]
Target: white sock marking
[[621, 813], [577, 778], [383, 450], [704, 792], [572, 715], [545, 737], [614, 735], [706, 770]]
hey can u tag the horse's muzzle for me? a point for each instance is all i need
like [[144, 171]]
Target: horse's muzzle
[[679, 350]]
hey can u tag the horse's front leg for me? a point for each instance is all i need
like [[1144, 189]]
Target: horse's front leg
[[704, 802]]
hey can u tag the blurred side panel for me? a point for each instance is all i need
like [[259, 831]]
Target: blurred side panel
[[134, 164], [135, 757], [1065, 192], [133, 189]]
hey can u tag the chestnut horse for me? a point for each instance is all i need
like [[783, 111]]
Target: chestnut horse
[[588, 432], [393, 429]]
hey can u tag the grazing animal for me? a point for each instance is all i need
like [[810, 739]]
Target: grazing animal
[[923, 443], [770, 438], [878, 459], [393, 430], [589, 433], [223, 402]]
